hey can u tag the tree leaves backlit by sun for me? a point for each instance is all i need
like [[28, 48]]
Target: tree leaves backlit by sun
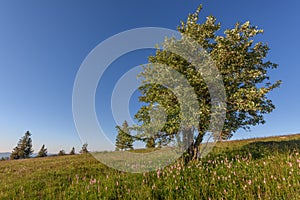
[[240, 61]]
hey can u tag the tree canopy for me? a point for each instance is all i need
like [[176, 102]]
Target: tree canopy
[[242, 68], [84, 148]]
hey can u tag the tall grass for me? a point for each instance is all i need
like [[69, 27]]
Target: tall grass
[[253, 170]]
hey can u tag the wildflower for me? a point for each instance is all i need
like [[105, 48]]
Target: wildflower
[[93, 181], [77, 178], [249, 182], [158, 173]]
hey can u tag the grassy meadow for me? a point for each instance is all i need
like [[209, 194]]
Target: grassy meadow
[[265, 168]]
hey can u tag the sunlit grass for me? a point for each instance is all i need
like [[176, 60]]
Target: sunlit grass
[[252, 169]]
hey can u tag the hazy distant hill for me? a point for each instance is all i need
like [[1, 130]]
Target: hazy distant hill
[[5, 154]]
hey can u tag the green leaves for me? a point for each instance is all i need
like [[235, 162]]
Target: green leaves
[[239, 60]]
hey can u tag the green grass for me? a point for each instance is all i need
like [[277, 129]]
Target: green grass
[[267, 168]]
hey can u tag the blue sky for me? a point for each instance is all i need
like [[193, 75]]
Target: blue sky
[[43, 43]]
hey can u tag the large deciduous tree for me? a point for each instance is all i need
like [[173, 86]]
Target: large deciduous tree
[[239, 60]]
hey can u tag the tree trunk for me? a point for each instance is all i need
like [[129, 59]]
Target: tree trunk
[[192, 152], [198, 141]]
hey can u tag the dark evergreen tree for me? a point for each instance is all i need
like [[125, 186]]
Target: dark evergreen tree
[[72, 152], [61, 153], [124, 140], [23, 148], [43, 152]]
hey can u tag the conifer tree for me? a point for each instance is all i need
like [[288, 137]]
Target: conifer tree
[[61, 153], [124, 140], [72, 152], [43, 152], [23, 148]]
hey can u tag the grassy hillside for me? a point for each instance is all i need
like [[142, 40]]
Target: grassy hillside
[[266, 168]]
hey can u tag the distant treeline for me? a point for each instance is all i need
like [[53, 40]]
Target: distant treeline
[[24, 150]]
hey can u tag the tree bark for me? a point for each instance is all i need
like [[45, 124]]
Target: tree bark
[[191, 146]]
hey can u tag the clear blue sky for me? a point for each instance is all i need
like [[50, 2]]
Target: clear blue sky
[[43, 43]]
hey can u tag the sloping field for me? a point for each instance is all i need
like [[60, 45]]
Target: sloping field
[[263, 168]]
